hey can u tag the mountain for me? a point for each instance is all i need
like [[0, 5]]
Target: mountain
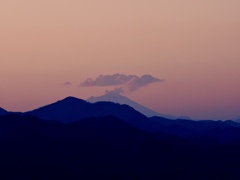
[[3, 112], [72, 109], [196, 125], [113, 97], [108, 148]]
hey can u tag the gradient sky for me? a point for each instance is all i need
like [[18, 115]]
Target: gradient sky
[[193, 45]]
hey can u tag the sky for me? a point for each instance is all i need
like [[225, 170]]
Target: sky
[[48, 48]]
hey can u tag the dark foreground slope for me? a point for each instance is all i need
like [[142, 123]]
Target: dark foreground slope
[[108, 148], [3, 111]]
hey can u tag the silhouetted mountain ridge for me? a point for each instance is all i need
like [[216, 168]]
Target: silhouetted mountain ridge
[[221, 131], [110, 148], [3, 111], [117, 98], [73, 109], [196, 125]]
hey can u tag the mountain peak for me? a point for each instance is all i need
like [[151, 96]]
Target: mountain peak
[[117, 98], [71, 98], [109, 97], [112, 94]]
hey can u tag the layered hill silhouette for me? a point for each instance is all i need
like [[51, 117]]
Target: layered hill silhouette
[[73, 109], [117, 98], [222, 131], [110, 148], [76, 139]]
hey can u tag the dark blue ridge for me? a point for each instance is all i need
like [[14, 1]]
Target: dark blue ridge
[[72, 109], [3, 111], [110, 148]]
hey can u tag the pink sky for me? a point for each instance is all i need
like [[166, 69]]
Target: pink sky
[[193, 45]]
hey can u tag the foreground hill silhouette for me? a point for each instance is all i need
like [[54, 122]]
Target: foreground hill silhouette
[[3, 112], [109, 148], [75, 139]]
